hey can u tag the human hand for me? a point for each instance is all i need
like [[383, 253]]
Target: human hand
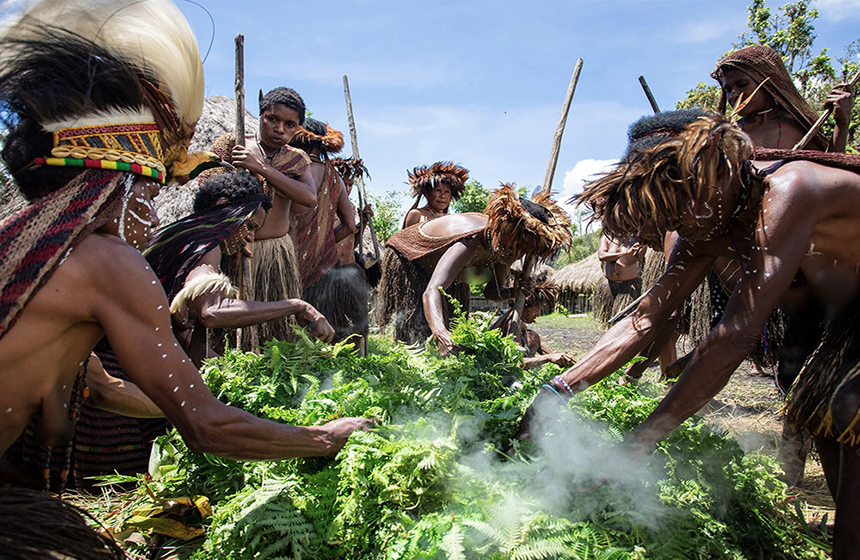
[[338, 431], [321, 330], [443, 342], [367, 211], [841, 100], [242, 157], [562, 358]]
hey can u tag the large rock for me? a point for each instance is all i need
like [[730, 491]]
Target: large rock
[[219, 116]]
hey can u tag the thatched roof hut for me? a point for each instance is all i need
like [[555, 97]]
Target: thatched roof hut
[[580, 277]]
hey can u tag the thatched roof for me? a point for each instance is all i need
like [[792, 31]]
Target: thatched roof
[[581, 276]]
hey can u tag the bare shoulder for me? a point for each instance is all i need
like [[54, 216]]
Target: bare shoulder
[[453, 224]]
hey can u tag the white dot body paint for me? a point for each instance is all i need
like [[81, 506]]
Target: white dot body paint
[[182, 403], [191, 386], [175, 389], [8, 410], [163, 356], [169, 375]]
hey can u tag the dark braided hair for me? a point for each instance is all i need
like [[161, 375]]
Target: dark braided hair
[[287, 97]]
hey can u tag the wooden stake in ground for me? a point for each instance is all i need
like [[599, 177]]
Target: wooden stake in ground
[[817, 126], [547, 186], [359, 181], [246, 338]]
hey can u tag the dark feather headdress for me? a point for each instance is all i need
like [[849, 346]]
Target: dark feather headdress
[[643, 196], [424, 179], [317, 135], [350, 169], [537, 228], [118, 83]]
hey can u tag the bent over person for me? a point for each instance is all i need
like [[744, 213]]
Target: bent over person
[[103, 98], [788, 222], [459, 249]]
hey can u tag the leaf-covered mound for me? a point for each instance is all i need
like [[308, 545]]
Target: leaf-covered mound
[[432, 482]]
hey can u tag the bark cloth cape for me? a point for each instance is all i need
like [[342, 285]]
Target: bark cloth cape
[[339, 293], [113, 88], [835, 360], [516, 227], [274, 267], [760, 63]]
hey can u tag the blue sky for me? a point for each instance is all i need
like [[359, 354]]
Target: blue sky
[[481, 83]]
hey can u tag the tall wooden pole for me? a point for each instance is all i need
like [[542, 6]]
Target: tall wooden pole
[[362, 196], [246, 338], [546, 187]]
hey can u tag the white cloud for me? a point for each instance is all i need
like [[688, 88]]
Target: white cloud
[[838, 10], [583, 171], [703, 32]]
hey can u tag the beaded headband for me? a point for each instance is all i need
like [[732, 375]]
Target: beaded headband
[[133, 147]]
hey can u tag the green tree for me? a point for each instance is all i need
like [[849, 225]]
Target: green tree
[[474, 199], [387, 214]]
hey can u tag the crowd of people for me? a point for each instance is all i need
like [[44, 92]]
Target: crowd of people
[[106, 317]]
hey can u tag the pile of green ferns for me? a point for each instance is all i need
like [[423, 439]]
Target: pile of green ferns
[[440, 477]]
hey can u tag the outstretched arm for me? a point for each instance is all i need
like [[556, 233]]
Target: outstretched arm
[[452, 262], [784, 234], [134, 316]]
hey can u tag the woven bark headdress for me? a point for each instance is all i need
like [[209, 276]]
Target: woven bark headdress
[[765, 66], [520, 227]]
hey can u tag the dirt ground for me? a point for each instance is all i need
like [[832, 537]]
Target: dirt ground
[[748, 408]]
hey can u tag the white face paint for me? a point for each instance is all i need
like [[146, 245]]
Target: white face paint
[[137, 216]]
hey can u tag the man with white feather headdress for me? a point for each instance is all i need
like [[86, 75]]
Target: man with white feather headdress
[[101, 99]]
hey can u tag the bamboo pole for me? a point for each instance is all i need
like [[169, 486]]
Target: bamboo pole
[[546, 187], [824, 116], [362, 196]]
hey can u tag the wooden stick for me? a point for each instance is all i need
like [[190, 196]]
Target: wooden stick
[[528, 264], [559, 130], [649, 95], [824, 116], [243, 263], [240, 90], [359, 181]]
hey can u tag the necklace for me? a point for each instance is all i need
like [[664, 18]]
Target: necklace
[[262, 151]]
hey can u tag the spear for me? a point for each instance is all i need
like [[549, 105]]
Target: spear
[[547, 186], [243, 263], [362, 196], [824, 116]]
